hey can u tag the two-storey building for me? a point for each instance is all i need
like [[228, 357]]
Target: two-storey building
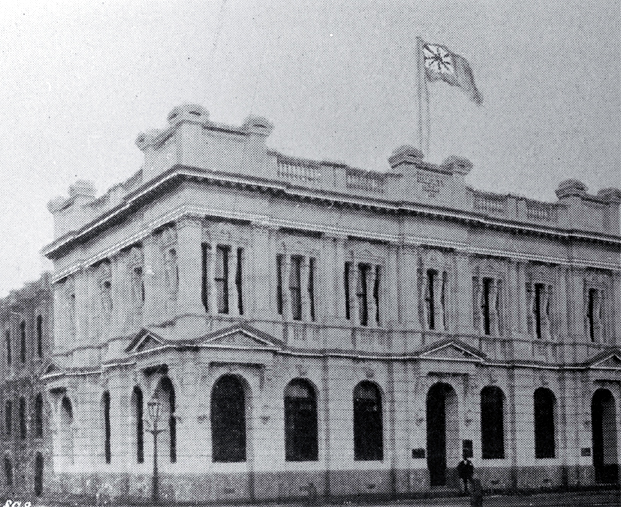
[[26, 325], [303, 321]]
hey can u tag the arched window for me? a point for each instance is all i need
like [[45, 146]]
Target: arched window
[[544, 423], [228, 420], [492, 423], [8, 471], [368, 430], [138, 414], [107, 430], [165, 393], [66, 430], [22, 418], [39, 416], [8, 418], [300, 422], [40, 335]]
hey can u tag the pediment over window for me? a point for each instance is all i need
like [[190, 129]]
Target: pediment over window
[[606, 360], [238, 336], [51, 369], [452, 350]]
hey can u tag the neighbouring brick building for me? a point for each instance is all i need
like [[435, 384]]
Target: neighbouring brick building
[[305, 321], [26, 324]]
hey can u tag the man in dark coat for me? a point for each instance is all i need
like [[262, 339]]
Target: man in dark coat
[[465, 470]]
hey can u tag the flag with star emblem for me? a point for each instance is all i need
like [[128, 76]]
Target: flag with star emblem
[[441, 64]]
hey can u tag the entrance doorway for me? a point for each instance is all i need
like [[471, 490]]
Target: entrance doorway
[[604, 430], [38, 474], [442, 432]]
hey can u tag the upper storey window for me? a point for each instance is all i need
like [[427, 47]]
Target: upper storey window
[[7, 341], [296, 300], [594, 314], [487, 306], [22, 341], [540, 310], [436, 300], [39, 335], [363, 293], [223, 279]]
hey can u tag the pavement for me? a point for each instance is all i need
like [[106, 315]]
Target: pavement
[[575, 499]]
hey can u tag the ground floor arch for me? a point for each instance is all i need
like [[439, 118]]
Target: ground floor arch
[[604, 434], [442, 432]]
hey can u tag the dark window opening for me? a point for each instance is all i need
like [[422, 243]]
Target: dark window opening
[[228, 420], [205, 249], [492, 423], [8, 471], [487, 284], [222, 278], [539, 289], [300, 422], [40, 335], [22, 346], [8, 418], [347, 295], [544, 424], [376, 294], [368, 431], [311, 288], [22, 418], [107, 429], [169, 391], [239, 281], [362, 294], [7, 339], [295, 287], [139, 425], [39, 416], [430, 299], [279, 289]]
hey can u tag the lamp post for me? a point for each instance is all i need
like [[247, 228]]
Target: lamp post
[[154, 407]]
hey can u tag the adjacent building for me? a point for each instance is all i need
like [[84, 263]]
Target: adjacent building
[[305, 321], [26, 324]]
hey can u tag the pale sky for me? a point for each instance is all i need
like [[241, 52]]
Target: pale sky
[[80, 79]]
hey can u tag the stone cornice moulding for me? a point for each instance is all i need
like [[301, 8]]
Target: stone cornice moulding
[[325, 195], [198, 212]]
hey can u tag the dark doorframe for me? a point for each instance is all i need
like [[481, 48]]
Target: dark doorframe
[[604, 432], [38, 474], [441, 429]]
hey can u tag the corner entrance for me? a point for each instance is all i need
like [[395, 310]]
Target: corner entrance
[[604, 430], [442, 432]]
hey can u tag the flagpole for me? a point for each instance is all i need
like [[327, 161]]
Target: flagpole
[[428, 125], [420, 70]]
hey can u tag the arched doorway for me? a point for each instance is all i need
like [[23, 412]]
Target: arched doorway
[[228, 420], [604, 429], [38, 474], [442, 432]]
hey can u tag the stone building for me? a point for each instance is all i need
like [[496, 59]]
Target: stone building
[[26, 324], [310, 322]]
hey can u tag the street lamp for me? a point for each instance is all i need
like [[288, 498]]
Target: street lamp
[[154, 407]]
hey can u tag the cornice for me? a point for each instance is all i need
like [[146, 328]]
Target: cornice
[[179, 173]]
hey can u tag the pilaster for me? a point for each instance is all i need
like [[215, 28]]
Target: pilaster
[[264, 257], [152, 266], [463, 294]]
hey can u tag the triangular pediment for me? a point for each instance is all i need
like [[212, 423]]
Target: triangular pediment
[[610, 360], [239, 337], [453, 350], [51, 369], [145, 340]]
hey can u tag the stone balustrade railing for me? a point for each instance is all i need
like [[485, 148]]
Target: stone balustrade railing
[[298, 170]]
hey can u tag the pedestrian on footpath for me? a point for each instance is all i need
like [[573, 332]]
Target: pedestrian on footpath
[[465, 470]]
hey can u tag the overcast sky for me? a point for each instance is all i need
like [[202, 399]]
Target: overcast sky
[[80, 79]]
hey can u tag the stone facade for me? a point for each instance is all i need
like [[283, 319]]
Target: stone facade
[[303, 321], [26, 323]]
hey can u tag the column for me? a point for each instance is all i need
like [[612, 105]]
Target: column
[[493, 302], [189, 255], [390, 288], [371, 305], [286, 292], [233, 308], [437, 301], [81, 307], [522, 308], [463, 292], [264, 260], [152, 254], [211, 278], [304, 289], [333, 274], [60, 332], [120, 296], [615, 318], [410, 297], [354, 281]]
